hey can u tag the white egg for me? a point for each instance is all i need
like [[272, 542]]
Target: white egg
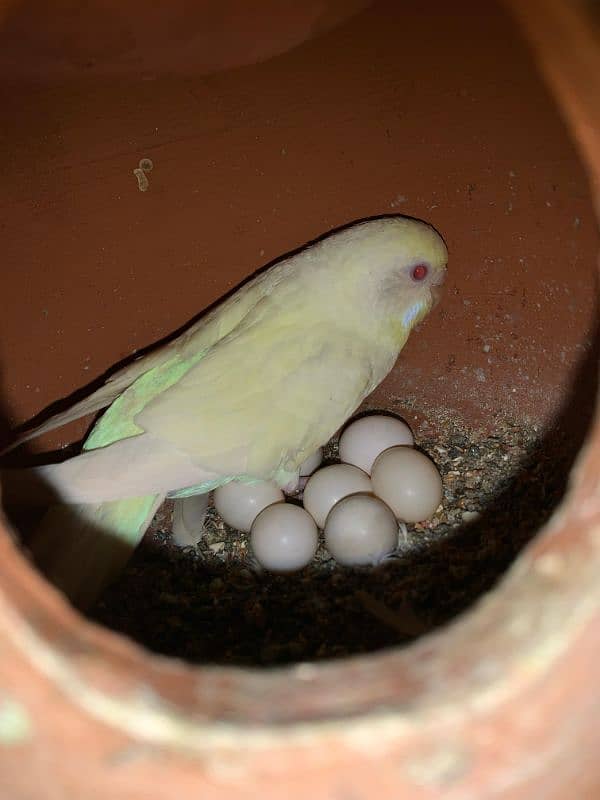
[[310, 464], [363, 440], [330, 484], [240, 503], [284, 538], [408, 482], [361, 529], [188, 519]]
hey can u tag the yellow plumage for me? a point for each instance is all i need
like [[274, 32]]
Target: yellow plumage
[[261, 382]]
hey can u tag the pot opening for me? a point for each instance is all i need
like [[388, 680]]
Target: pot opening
[[498, 384]]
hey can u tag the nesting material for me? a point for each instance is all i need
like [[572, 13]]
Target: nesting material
[[210, 605]]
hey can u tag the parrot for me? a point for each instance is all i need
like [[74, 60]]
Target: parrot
[[246, 393]]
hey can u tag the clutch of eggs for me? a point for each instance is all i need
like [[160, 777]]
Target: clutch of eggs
[[382, 481]]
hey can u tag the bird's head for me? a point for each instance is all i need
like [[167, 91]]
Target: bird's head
[[397, 266]]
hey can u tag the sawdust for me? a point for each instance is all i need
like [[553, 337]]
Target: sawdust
[[213, 604]]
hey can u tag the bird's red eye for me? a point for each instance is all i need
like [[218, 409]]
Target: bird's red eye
[[419, 272]]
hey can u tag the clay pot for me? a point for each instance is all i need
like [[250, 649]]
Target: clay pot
[[336, 116]]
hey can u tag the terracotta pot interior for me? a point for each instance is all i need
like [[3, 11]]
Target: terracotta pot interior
[[341, 115]]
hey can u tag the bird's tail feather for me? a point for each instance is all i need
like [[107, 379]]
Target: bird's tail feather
[[89, 405], [82, 548], [102, 397]]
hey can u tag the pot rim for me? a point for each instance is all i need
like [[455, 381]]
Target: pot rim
[[509, 639]]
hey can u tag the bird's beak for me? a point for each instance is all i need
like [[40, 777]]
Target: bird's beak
[[437, 289]]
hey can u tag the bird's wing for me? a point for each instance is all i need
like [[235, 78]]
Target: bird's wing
[[266, 396], [188, 347], [101, 398]]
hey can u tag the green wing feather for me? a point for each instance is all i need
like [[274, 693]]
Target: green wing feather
[[240, 416], [167, 366]]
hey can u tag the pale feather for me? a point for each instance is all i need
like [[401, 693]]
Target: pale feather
[[133, 467], [190, 345], [237, 416]]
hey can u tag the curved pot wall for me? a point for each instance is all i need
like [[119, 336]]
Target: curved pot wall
[[343, 112]]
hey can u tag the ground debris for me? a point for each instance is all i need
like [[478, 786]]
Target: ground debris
[[213, 604]]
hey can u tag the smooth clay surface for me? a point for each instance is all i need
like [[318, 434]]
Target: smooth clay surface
[[391, 110]]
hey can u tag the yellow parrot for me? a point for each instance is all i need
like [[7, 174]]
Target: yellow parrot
[[246, 393]]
